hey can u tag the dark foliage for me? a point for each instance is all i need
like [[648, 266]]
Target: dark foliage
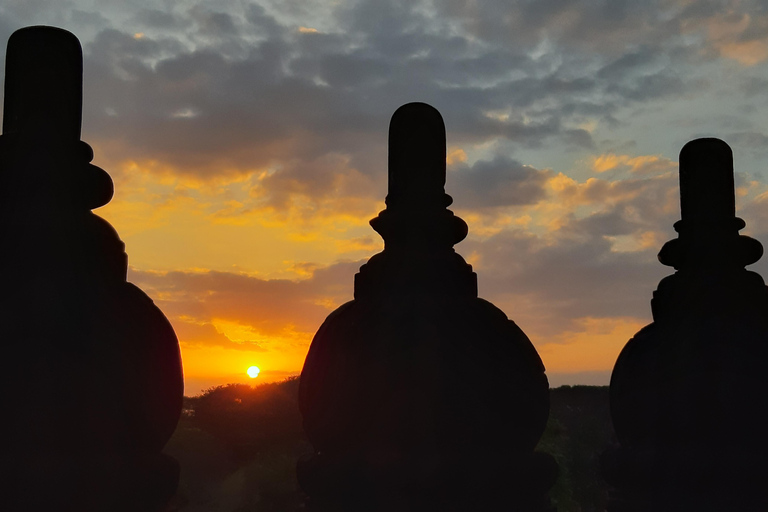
[[578, 431], [251, 420], [238, 447]]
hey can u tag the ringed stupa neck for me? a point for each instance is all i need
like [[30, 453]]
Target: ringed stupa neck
[[416, 214], [419, 231]]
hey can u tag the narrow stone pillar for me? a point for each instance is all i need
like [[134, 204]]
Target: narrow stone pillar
[[92, 386], [689, 393], [417, 395]]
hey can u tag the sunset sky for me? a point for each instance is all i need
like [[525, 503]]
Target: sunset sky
[[247, 142]]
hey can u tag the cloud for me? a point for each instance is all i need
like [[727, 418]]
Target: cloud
[[295, 80], [755, 141], [259, 128], [642, 164], [156, 18], [597, 253], [204, 305], [212, 90], [498, 182]]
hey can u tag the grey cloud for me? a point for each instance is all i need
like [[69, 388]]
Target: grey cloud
[[595, 25], [25, 12], [632, 61], [303, 103], [576, 271], [579, 138], [216, 23], [657, 85], [215, 88], [95, 19], [121, 50], [751, 140], [496, 183], [749, 144], [755, 214], [569, 280], [610, 223], [263, 22], [327, 176], [156, 18], [754, 86]]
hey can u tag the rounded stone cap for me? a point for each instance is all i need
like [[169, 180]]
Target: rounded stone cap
[[417, 158], [43, 80], [706, 181]]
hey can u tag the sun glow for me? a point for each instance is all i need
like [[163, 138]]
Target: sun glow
[[253, 372]]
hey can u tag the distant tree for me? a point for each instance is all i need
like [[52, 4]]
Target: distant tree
[[251, 420], [260, 429], [579, 430]]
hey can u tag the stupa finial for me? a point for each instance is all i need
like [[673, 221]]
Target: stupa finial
[[43, 83]]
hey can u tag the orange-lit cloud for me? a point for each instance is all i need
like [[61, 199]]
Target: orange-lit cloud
[[230, 318], [740, 36], [644, 164]]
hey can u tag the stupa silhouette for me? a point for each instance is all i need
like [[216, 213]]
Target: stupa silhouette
[[92, 382], [689, 395], [418, 395]]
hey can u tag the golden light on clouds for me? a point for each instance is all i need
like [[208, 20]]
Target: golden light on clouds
[[239, 333], [748, 53], [655, 164], [455, 155], [172, 222]]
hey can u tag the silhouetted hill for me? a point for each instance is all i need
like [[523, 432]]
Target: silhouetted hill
[[238, 447]]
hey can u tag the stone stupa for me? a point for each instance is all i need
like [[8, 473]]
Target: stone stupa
[[689, 393], [418, 395], [92, 381]]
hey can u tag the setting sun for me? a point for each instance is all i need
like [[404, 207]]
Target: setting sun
[[253, 372]]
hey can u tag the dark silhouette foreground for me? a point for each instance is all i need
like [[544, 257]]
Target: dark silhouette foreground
[[92, 385], [418, 395], [689, 393]]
